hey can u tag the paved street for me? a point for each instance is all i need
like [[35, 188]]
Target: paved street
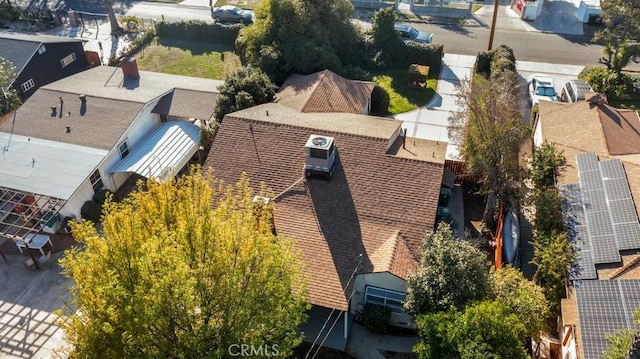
[[531, 41]]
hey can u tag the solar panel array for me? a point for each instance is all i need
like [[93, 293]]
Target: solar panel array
[[577, 230], [601, 215], [605, 307], [623, 211], [594, 199]]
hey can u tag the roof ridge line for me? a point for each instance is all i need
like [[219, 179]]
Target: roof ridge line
[[95, 96], [381, 139], [322, 76]]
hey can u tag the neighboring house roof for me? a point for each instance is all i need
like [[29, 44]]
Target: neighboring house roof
[[98, 124], [187, 104], [44, 167], [112, 103], [586, 126], [604, 307], [109, 82], [594, 126], [19, 48], [324, 91], [380, 202]]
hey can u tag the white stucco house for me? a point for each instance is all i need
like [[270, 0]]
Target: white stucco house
[[93, 130]]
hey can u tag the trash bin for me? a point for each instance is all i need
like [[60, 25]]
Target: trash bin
[[445, 195], [444, 215]]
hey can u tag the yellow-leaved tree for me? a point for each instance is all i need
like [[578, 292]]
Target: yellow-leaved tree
[[184, 269]]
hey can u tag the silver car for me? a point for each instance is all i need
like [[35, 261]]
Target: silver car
[[410, 33], [229, 13]]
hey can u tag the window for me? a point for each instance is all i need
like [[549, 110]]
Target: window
[[96, 181], [387, 298], [28, 85], [123, 149], [42, 49], [67, 60]]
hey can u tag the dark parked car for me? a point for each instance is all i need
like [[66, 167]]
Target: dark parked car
[[409, 33], [228, 13]]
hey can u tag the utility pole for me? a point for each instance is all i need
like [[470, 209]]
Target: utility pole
[[493, 23]]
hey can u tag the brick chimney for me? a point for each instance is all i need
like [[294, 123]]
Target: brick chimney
[[130, 68]]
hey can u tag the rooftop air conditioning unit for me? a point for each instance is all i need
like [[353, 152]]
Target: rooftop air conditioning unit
[[321, 156]]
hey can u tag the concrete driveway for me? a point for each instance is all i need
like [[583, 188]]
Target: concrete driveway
[[366, 345]]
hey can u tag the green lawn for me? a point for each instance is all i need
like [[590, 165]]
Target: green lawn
[[183, 57], [403, 98]]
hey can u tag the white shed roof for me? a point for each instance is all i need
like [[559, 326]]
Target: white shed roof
[[164, 152], [49, 168]]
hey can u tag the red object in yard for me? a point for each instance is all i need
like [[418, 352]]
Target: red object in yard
[[498, 254]]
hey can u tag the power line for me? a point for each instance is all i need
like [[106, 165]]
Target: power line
[[330, 329], [334, 309]]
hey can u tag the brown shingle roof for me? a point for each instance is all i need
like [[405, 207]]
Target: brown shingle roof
[[324, 91], [621, 130], [377, 203], [99, 124], [583, 127], [595, 126]]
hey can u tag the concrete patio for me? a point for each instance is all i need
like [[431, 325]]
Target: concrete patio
[[28, 298]]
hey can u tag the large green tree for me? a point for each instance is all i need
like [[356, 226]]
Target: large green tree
[[183, 269], [301, 36], [621, 33], [9, 99], [487, 330], [553, 255], [490, 130], [523, 297], [452, 273], [385, 38], [244, 88]]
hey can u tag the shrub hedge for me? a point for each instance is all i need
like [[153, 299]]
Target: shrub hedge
[[624, 86], [498, 60], [199, 30], [426, 54], [375, 317]]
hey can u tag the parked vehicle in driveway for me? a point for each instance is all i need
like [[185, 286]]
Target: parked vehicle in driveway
[[410, 33], [541, 89], [229, 13], [574, 91]]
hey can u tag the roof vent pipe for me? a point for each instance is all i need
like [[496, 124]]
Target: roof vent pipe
[[68, 129], [83, 98], [404, 138]]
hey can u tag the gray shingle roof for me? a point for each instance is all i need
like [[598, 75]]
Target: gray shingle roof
[[98, 125]]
